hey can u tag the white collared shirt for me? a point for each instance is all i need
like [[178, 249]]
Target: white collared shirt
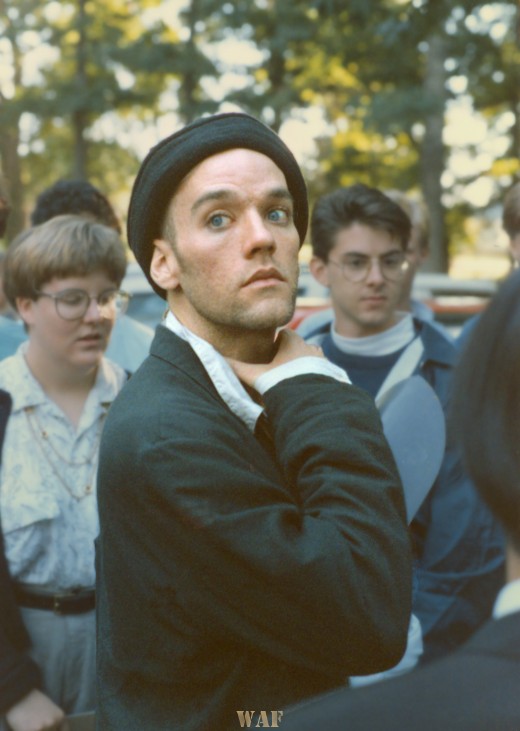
[[508, 600], [49, 535], [228, 384]]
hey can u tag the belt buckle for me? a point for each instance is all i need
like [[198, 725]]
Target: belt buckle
[[56, 604]]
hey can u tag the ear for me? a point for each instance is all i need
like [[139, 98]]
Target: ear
[[164, 267], [25, 308], [319, 270]]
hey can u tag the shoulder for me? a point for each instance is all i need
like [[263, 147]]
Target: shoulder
[[314, 323], [316, 335], [476, 684], [438, 346], [466, 331], [129, 343], [127, 326], [12, 371]]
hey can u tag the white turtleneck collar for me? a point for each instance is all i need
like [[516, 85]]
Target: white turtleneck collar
[[384, 343]]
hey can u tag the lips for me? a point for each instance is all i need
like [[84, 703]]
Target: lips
[[90, 338], [264, 275]]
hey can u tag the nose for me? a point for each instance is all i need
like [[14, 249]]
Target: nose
[[94, 311], [375, 275], [258, 235]]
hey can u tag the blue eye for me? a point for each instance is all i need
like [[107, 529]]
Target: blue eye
[[278, 215], [218, 220]]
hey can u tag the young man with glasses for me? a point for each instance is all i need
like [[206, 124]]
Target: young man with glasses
[[359, 238]]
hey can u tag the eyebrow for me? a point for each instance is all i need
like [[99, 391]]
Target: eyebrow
[[368, 256], [223, 194]]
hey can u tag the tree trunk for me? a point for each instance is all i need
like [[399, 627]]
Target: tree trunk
[[9, 144], [12, 178], [433, 153], [516, 78], [79, 117]]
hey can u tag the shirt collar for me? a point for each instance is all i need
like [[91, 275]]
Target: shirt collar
[[508, 600], [26, 391], [220, 372], [383, 343]]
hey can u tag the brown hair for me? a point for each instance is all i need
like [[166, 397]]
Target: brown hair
[[356, 204], [62, 247]]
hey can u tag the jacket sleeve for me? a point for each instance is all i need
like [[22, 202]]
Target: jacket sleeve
[[18, 673], [460, 555], [458, 545], [305, 556]]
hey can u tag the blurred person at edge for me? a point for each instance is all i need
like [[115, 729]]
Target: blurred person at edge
[[476, 687], [63, 279], [511, 225], [11, 331], [417, 252], [359, 238], [130, 340]]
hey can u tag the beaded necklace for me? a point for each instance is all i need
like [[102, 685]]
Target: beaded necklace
[[41, 436]]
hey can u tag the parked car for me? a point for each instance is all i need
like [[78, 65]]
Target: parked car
[[453, 300]]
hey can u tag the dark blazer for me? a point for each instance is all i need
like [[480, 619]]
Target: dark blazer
[[235, 571], [18, 673], [476, 688]]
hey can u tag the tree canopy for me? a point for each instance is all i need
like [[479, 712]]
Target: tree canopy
[[87, 87]]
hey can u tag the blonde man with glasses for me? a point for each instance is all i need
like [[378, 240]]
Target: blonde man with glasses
[[63, 278], [359, 239]]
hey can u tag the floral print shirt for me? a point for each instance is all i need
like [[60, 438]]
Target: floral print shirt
[[48, 508]]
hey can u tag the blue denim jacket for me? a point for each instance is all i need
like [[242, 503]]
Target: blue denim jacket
[[459, 547]]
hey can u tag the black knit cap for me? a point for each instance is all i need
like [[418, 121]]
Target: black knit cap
[[172, 159]]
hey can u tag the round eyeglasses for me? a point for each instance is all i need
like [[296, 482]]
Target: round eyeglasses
[[356, 267], [72, 304]]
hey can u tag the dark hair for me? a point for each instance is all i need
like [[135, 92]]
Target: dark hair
[[356, 204], [511, 211], [486, 406], [77, 197]]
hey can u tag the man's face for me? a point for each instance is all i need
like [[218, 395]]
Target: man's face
[[233, 266], [365, 307]]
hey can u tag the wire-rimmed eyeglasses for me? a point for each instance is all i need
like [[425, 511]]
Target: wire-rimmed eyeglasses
[[72, 304], [356, 267]]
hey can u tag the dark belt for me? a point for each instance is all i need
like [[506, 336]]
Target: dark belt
[[66, 602]]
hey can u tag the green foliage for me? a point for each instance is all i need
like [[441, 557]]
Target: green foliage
[[365, 65]]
